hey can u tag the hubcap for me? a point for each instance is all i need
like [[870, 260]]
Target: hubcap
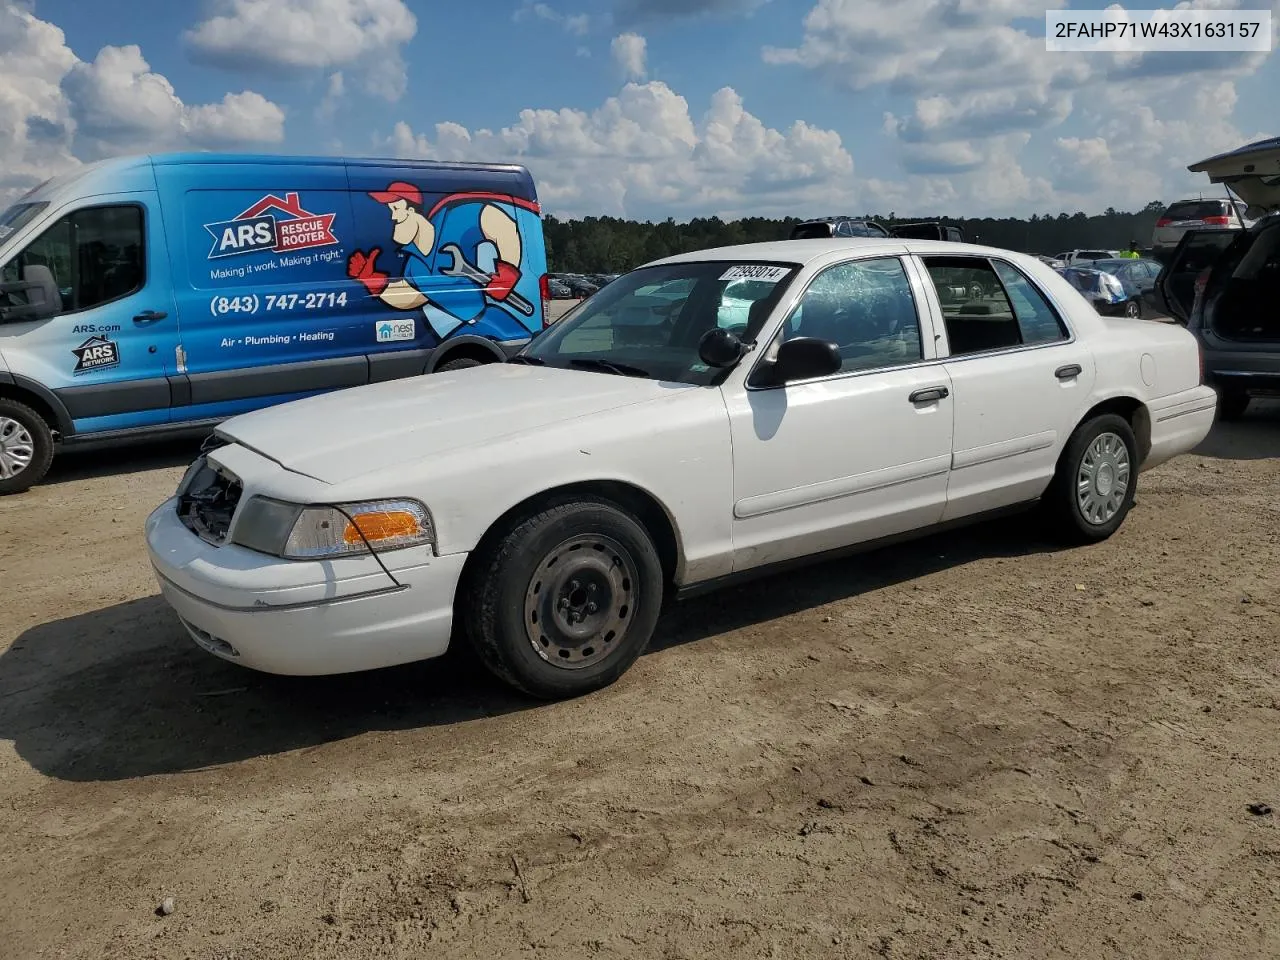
[[580, 601], [1103, 478], [1132, 310], [16, 448]]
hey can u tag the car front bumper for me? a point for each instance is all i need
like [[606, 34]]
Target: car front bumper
[[303, 618]]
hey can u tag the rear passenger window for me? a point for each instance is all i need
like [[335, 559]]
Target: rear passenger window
[[1037, 320], [867, 309]]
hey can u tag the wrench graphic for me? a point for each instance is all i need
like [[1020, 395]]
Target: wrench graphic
[[460, 268]]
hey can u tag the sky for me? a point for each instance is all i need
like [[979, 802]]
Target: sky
[[644, 109]]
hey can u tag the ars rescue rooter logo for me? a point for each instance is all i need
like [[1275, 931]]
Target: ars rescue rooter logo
[[258, 229], [96, 353]]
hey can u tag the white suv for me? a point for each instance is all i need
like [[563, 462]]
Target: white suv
[[1216, 213]]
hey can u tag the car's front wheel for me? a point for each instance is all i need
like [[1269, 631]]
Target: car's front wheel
[[1093, 489], [565, 600], [26, 447]]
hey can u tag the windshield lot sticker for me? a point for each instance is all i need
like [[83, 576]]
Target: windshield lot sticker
[[272, 224], [391, 331], [755, 272], [96, 353]]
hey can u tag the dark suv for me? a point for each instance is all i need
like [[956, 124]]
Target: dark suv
[[824, 227], [1225, 284]]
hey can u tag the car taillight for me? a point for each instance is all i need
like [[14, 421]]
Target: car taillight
[[1163, 222], [1217, 221], [544, 288]]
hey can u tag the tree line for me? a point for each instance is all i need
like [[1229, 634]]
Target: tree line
[[613, 245]]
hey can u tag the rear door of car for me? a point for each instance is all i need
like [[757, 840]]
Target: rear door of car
[[1176, 288]]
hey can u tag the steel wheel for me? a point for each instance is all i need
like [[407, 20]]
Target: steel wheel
[[17, 448], [1133, 310], [580, 601], [1102, 480]]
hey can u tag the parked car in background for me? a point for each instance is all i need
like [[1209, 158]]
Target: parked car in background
[[929, 230], [823, 228], [558, 289], [1225, 284], [162, 294], [1052, 262], [1214, 213], [1075, 256], [687, 426], [1114, 287], [579, 286]]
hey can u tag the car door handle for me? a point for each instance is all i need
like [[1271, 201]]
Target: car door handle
[[1070, 371], [149, 316], [930, 394]]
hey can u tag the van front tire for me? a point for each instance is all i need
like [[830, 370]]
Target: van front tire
[[26, 447], [565, 600]]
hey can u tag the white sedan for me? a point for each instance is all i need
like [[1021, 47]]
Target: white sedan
[[542, 510]]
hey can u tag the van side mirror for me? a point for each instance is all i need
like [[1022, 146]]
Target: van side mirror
[[41, 293], [803, 358]]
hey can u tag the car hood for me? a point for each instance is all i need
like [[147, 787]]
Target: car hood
[[349, 433], [1252, 171]]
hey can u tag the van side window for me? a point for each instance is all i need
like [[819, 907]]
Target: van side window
[[96, 255]]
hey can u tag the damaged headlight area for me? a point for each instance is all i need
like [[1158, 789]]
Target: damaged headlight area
[[318, 531]]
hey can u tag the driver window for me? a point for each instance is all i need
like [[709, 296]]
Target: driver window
[[95, 255], [867, 309]]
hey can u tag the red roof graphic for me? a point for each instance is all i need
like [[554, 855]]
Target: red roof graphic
[[290, 205]]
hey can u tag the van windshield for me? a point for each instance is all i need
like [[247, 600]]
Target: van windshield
[[18, 216], [648, 323]]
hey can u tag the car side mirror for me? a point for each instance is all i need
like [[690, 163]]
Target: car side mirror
[[720, 348], [41, 291], [804, 358]]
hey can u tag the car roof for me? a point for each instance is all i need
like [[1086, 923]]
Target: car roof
[[807, 251]]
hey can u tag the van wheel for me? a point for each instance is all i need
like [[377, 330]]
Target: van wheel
[[566, 600], [460, 364], [26, 447], [1093, 489]]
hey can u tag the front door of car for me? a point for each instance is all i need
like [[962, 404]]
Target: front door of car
[[1021, 381], [855, 456], [110, 348]]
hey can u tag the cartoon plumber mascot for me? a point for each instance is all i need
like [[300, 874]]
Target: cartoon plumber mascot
[[454, 294]]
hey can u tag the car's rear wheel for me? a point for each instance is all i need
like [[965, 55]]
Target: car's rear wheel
[[566, 600], [1232, 404], [1093, 489], [26, 447], [1133, 309]]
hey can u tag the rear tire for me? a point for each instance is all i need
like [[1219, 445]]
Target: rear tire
[[1232, 404], [1133, 309], [565, 601], [462, 363], [1097, 478], [26, 447]]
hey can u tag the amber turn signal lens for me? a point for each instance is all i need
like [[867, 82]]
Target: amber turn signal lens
[[381, 525]]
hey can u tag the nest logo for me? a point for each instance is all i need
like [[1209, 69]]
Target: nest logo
[[274, 224]]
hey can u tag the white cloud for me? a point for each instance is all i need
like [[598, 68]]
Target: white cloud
[[986, 101], [335, 90], [301, 36], [57, 111], [630, 52], [576, 24], [642, 154]]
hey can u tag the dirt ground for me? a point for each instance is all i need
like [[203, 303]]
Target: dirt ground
[[971, 746]]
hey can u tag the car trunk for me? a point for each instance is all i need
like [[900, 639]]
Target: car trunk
[[1233, 278]]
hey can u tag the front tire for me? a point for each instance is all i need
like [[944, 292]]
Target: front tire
[[26, 447], [462, 363], [1093, 489], [566, 600]]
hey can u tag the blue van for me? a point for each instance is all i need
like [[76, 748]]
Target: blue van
[[162, 294]]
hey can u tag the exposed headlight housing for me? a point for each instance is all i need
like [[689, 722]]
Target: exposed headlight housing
[[298, 532]]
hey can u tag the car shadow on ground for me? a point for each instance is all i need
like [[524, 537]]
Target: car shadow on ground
[[122, 692], [1255, 437], [73, 464]]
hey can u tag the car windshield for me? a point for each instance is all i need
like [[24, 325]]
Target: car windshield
[[18, 216], [649, 322]]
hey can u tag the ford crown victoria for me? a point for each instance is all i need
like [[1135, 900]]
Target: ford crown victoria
[[668, 438]]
